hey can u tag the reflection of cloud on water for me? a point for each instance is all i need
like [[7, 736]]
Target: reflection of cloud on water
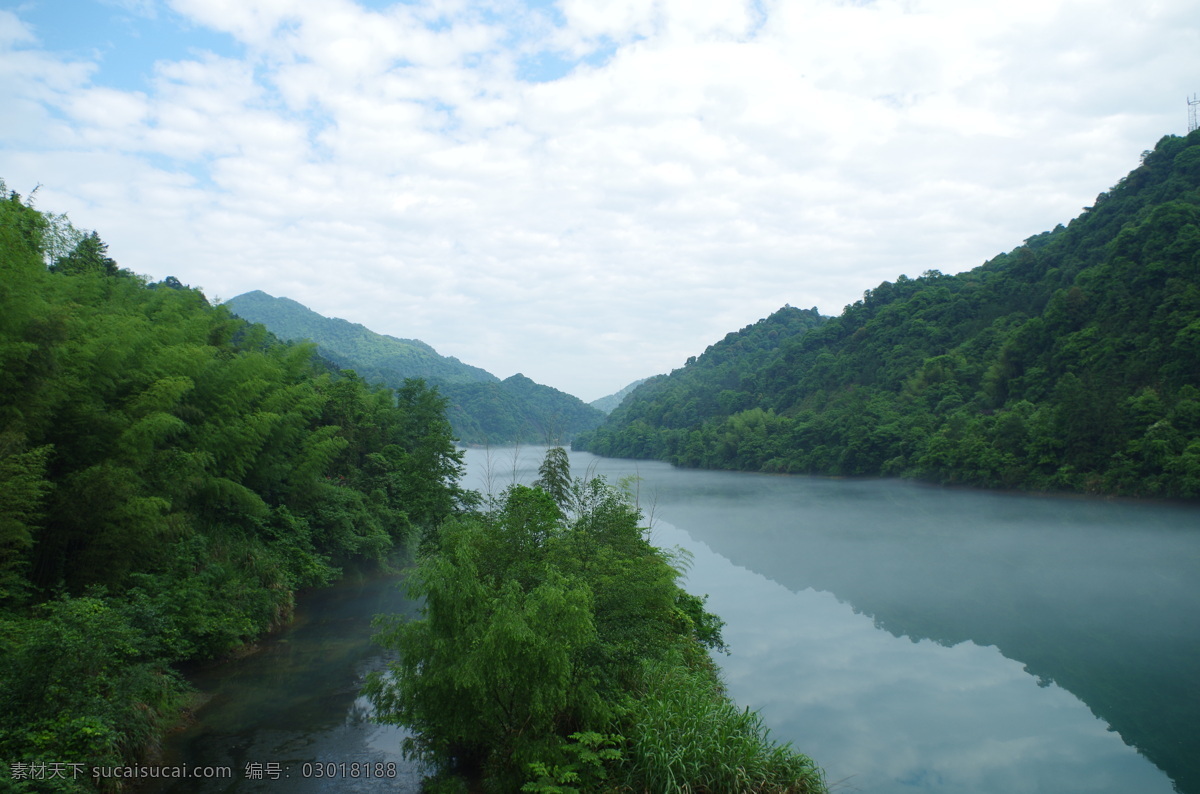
[[901, 715]]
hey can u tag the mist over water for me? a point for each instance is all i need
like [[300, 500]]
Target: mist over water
[[914, 638], [908, 638], [273, 716]]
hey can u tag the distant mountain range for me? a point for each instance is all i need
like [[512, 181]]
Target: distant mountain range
[[609, 404], [482, 408]]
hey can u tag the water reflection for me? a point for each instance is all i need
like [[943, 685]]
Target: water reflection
[[893, 714], [908, 638], [942, 640]]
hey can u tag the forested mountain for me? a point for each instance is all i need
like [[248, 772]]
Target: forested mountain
[[170, 476], [516, 410], [1070, 363], [714, 383], [610, 402], [482, 408], [376, 357]]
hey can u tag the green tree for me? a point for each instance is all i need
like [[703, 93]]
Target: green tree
[[554, 476], [493, 668], [1019, 373], [544, 636], [78, 685], [23, 487], [90, 255]]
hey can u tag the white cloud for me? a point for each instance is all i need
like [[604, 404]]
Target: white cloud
[[250, 22], [710, 162], [13, 30]]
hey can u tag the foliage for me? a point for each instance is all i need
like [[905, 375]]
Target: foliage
[[588, 770], [542, 615], [516, 410], [554, 477], [684, 735], [89, 255], [170, 476], [353, 345], [79, 682], [1069, 363]]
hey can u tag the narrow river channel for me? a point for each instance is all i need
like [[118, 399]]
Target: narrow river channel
[[909, 638]]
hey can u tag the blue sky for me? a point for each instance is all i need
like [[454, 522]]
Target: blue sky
[[122, 39], [585, 192]]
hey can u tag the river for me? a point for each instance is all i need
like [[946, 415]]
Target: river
[[907, 637]]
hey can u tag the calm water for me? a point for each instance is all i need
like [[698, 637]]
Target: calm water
[[272, 717], [909, 638]]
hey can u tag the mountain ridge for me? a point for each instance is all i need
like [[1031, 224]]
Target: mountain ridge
[[482, 408], [341, 339]]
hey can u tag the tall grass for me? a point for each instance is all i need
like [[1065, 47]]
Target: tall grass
[[685, 735]]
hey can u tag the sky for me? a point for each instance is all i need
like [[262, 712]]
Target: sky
[[584, 192]]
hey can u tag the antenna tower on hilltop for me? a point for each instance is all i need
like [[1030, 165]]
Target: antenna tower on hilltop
[[1192, 103]]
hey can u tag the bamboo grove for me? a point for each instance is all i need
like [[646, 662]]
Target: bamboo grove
[[170, 477]]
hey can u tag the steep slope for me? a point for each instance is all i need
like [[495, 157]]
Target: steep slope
[[1072, 362], [482, 409]]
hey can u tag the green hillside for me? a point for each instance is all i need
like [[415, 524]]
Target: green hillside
[[482, 408], [714, 383], [516, 410], [1070, 363]]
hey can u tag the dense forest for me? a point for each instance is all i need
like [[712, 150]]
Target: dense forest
[[482, 408], [170, 477], [352, 345], [1070, 363]]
